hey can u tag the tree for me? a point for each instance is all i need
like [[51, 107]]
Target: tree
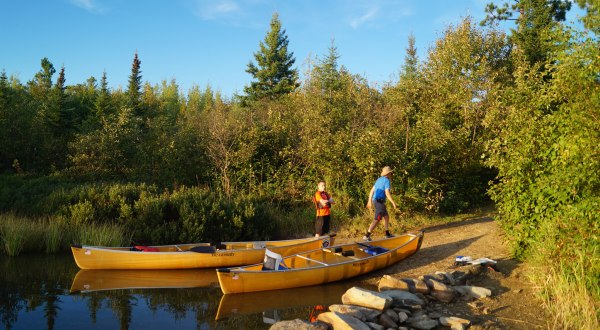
[[536, 18], [102, 104], [592, 19], [135, 85], [273, 73]]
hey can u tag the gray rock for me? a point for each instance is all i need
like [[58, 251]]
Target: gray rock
[[408, 312], [473, 291], [367, 298], [388, 282], [402, 317], [444, 296], [342, 322], [416, 285], [361, 313], [387, 321], [423, 323], [375, 326], [448, 278], [392, 314], [298, 324], [403, 298], [434, 315], [452, 320]]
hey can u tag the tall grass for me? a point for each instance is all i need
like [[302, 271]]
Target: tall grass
[[566, 294], [22, 235], [101, 235]]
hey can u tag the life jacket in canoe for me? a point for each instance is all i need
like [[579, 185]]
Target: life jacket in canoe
[[146, 248]]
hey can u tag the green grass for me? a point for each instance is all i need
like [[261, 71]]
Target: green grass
[[566, 294], [23, 235]]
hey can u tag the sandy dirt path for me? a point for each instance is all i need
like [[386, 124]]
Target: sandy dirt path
[[513, 304]]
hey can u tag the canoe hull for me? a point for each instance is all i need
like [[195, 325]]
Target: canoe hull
[[237, 253], [252, 279]]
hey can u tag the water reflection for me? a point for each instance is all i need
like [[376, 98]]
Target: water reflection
[[88, 280], [257, 302], [50, 292]]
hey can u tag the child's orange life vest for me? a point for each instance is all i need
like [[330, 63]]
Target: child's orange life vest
[[322, 210]]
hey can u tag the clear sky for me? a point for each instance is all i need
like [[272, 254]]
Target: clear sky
[[201, 42]]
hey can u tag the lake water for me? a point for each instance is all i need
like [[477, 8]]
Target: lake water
[[50, 292]]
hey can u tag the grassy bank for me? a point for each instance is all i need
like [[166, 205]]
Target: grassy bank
[[49, 235], [570, 290]]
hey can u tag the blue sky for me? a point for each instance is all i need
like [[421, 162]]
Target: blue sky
[[201, 42]]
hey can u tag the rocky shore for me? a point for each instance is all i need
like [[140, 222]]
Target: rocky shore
[[405, 303]]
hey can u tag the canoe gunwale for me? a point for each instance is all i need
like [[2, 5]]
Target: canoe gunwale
[[349, 261]]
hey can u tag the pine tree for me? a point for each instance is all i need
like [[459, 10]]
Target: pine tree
[[536, 18], [327, 71], [273, 73], [135, 85], [102, 103]]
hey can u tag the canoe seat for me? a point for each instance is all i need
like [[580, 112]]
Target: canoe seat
[[273, 261]]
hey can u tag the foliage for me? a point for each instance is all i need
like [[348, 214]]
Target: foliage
[[547, 156]]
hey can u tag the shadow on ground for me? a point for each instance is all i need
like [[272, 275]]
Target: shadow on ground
[[461, 223]]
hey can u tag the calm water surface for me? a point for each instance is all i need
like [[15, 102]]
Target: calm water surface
[[50, 292]]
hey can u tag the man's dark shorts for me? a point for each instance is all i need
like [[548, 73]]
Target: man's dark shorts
[[380, 209], [322, 225]]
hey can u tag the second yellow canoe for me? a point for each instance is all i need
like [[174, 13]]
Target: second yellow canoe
[[227, 254]]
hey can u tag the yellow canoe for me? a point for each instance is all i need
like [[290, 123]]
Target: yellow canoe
[[186, 256], [88, 280], [321, 265]]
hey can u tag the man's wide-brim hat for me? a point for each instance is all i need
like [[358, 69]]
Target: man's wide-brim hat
[[386, 170]]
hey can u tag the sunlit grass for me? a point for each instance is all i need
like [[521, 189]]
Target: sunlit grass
[[566, 294], [22, 235]]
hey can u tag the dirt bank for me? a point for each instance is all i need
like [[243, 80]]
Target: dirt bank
[[513, 304]]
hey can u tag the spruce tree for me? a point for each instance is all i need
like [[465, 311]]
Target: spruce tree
[[102, 104], [327, 71], [135, 85], [273, 72], [536, 18]]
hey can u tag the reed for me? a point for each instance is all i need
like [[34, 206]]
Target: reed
[[55, 235], [22, 235], [566, 292], [12, 232], [101, 235]]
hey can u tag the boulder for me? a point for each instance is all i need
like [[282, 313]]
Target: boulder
[[388, 282], [404, 297], [416, 285], [375, 326], [392, 315], [367, 298], [402, 317], [452, 320], [342, 322], [423, 323], [361, 313], [387, 321], [473, 291], [298, 324]]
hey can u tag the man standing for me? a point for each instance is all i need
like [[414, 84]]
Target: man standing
[[323, 203], [377, 196]]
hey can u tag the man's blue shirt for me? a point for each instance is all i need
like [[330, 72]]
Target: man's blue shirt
[[381, 185]]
